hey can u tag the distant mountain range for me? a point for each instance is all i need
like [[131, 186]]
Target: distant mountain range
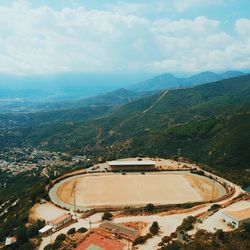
[[169, 81]]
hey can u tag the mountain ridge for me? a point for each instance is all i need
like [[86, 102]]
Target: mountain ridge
[[169, 81]]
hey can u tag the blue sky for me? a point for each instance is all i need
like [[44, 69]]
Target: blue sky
[[65, 36]]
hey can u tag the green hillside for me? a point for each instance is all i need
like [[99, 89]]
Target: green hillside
[[210, 123]]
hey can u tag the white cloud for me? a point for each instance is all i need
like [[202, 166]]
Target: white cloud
[[198, 26], [243, 27], [43, 40], [184, 5]]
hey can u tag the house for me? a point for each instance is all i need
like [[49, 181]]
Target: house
[[120, 230], [61, 220], [10, 240], [141, 165], [45, 230], [236, 218]]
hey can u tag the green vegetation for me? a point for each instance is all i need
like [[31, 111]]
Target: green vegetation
[[208, 122], [238, 239], [150, 208], [82, 230], [142, 239], [154, 229], [71, 230], [187, 224], [107, 216], [214, 207]]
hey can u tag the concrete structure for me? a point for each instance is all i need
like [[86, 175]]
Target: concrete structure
[[120, 230], [45, 230], [140, 165], [237, 218], [183, 237], [9, 241], [61, 221]]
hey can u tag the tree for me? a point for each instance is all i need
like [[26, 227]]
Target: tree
[[61, 237], [107, 216], [220, 234], [71, 230], [22, 235], [150, 208], [82, 230], [246, 227], [49, 247], [154, 229]]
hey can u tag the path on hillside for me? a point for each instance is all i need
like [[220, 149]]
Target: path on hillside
[[154, 104]]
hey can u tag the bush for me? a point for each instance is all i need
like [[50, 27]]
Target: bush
[[107, 216], [71, 230], [141, 239], [82, 230], [27, 246], [150, 208], [49, 247], [187, 224], [154, 229], [166, 239], [246, 227], [214, 207], [61, 237]]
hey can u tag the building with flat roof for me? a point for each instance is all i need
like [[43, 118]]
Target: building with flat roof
[[237, 218], [45, 230], [61, 220], [120, 230], [141, 165]]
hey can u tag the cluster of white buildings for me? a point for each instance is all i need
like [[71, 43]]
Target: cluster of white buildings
[[56, 224], [21, 160]]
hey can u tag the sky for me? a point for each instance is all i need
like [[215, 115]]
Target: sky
[[151, 37]]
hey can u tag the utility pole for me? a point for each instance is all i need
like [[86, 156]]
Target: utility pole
[[179, 154], [213, 191], [74, 198]]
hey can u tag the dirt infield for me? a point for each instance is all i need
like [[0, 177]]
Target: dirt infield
[[46, 211], [135, 189]]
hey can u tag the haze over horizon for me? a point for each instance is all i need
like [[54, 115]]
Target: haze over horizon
[[135, 38]]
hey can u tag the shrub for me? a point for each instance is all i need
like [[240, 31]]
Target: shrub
[[141, 239], [71, 230], [187, 224], [107, 216], [166, 239], [49, 247], [82, 230], [214, 207], [61, 237], [150, 208], [154, 229]]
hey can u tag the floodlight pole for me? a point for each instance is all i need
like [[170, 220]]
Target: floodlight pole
[[179, 154], [213, 191]]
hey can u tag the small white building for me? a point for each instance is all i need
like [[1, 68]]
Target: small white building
[[10, 240], [45, 230], [61, 220], [237, 218]]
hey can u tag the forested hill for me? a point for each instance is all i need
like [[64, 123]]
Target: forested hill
[[169, 81], [210, 123]]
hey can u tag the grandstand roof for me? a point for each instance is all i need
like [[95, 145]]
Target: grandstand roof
[[131, 163]]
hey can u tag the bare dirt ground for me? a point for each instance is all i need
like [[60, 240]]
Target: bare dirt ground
[[208, 189], [136, 189], [46, 211]]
